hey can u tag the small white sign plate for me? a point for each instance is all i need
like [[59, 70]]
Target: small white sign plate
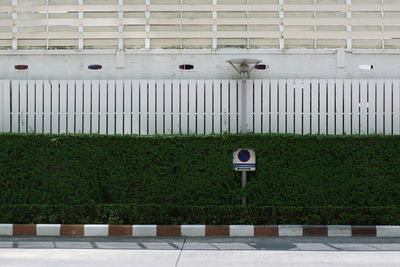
[[244, 160]]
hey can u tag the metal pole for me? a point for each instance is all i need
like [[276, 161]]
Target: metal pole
[[243, 186], [244, 106]]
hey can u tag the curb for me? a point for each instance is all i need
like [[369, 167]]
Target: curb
[[199, 230]]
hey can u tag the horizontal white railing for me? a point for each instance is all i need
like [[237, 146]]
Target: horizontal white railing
[[149, 107]]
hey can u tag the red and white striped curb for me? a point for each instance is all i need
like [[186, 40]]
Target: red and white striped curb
[[197, 230]]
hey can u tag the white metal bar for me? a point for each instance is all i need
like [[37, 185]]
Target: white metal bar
[[306, 106], [6, 100], [396, 106], [15, 106], [168, 107], [135, 107], [371, 106], [46, 107], [282, 106], [22, 106], [290, 106], [323, 86], [209, 107], [39, 107], [31, 106], [274, 106], [176, 101], [266, 106], [217, 106], [363, 106], [380, 100], [103, 107], [233, 106], [127, 107], [55, 88], [160, 107], [250, 105], [225, 106], [258, 106], [192, 106], [143, 107], [184, 106], [95, 106], [87, 91], [151, 107], [347, 106], [315, 107], [331, 107], [111, 107], [388, 107], [298, 107], [355, 107], [200, 106], [63, 106], [119, 107], [339, 106]]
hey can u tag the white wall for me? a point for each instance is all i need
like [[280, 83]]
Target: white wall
[[209, 64]]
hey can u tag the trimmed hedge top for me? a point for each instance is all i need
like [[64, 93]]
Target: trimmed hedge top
[[303, 171]]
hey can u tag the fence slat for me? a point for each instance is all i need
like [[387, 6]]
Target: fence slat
[[151, 98], [257, 106], [339, 107], [355, 107], [184, 106], [347, 106], [128, 107], [111, 107], [250, 106], [103, 107], [315, 107], [209, 107], [136, 107], [168, 107], [266, 106], [363, 106], [39, 106], [331, 107], [6, 106], [87, 91], [95, 106], [380, 107], [323, 113], [233, 106], [22, 106], [31, 106], [307, 107], [282, 106], [47, 107], [119, 107], [396, 107], [290, 91], [55, 106], [225, 106], [192, 106], [63, 106], [200, 106], [176, 101], [388, 107], [160, 107], [143, 107], [371, 106], [217, 106], [14, 106], [274, 106], [2, 111], [298, 107]]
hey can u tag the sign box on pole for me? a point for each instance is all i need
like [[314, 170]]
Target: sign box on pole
[[244, 160]]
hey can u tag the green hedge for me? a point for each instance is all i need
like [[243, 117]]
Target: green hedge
[[196, 171], [167, 214]]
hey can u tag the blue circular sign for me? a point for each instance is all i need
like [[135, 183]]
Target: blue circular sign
[[244, 155]]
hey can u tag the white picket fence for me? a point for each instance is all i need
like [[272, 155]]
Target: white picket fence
[[149, 107]]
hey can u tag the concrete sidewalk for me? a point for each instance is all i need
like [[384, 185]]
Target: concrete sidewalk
[[195, 251]]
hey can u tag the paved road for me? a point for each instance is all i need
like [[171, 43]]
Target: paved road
[[204, 252]]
